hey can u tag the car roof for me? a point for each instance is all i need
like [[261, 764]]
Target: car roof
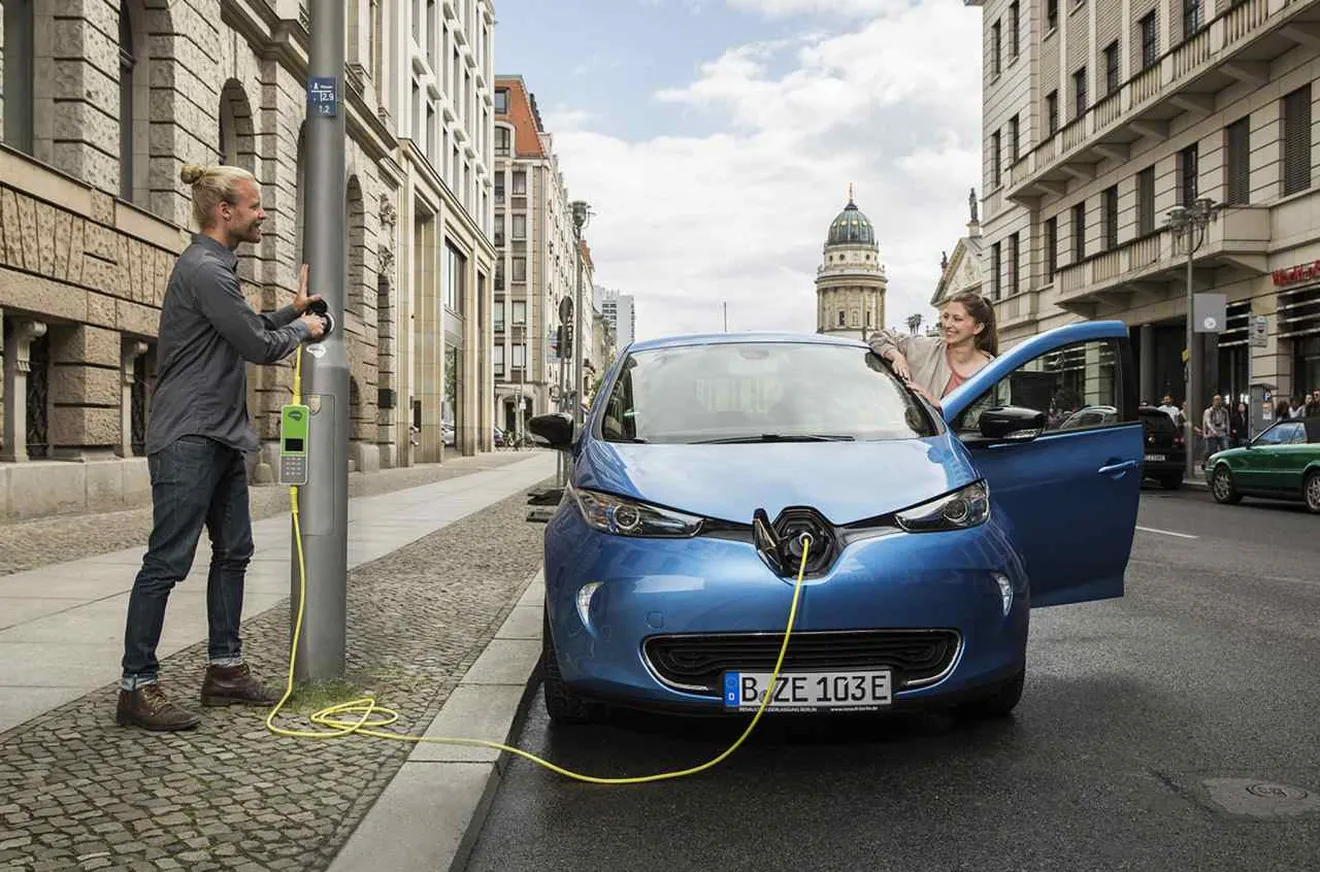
[[680, 340]]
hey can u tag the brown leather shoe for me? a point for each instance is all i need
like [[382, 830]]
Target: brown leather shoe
[[148, 707], [236, 685]]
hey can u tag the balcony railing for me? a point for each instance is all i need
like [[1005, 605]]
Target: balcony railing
[[1145, 103], [1238, 239]]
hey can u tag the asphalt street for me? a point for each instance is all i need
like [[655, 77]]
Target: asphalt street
[[1175, 728]]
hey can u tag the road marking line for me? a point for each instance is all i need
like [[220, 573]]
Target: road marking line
[[1168, 533]]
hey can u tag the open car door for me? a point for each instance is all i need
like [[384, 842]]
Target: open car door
[[1052, 425]]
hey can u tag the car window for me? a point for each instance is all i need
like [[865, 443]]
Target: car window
[[736, 390], [1283, 433], [1078, 387], [1158, 421]]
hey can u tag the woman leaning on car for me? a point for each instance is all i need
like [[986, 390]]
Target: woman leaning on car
[[935, 365]]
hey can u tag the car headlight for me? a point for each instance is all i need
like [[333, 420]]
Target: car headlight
[[624, 517], [965, 507]]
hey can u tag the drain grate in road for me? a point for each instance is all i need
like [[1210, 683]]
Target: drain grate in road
[[1261, 799]]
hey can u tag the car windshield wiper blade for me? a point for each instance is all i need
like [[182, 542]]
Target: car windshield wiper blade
[[779, 437]]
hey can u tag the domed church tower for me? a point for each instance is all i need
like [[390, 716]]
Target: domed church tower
[[850, 284]]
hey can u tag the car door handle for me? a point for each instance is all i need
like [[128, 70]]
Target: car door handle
[[1117, 467]]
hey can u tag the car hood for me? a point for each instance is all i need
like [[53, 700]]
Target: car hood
[[844, 481]]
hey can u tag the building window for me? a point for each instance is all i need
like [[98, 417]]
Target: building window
[[1079, 93], [520, 269], [1052, 112], [1079, 231], [1146, 201], [519, 313], [520, 183], [1187, 175], [19, 74], [1111, 68], [1150, 39], [1051, 248], [520, 356], [1014, 144], [1297, 140], [127, 63], [1237, 172], [1013, 256], [1014, 41], [995, 60], [498, 316], [996, 271], [499, 187], [499, 229], [501, 101], [1191, 18], [498, 360], [1051, 15], [519, 226], [996, 175], [454, 278], [503, 141], [1109, 214]]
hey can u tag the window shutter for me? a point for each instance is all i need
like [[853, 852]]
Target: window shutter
[[1239, 162], [1297, 141]]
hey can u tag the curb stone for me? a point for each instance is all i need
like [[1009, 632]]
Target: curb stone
[[432, 812]]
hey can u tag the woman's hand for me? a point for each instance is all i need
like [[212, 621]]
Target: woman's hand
[[925, 393], [900, 366]]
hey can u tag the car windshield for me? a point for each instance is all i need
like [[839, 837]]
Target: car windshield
[[760, 391]]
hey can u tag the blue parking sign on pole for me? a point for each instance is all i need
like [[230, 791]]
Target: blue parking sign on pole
[[322, 96]]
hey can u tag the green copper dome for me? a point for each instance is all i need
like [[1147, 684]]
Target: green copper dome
[[851, 227]]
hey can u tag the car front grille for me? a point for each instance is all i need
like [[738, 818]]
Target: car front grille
[[696, 662]]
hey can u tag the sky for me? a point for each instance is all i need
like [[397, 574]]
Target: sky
[[715, 141]]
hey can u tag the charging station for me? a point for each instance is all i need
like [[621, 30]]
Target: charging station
[[294, 424]]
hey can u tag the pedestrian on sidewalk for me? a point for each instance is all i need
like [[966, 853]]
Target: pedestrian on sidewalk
[[1216, 425], [197, 437]]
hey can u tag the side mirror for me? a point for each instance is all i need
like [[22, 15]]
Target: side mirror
[[555, 429], [1012, 424]]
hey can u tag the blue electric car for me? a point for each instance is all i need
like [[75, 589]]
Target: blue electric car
[[670, 562]]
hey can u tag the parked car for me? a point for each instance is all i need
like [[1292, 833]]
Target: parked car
[[1166, 448], [1281, 463], [671, 561]]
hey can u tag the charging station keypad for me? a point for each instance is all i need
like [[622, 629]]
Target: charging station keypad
[[293, 469]]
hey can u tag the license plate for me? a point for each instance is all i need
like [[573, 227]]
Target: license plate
[[1156, 458], [809, 691]]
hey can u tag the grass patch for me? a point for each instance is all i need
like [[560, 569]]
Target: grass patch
[[316, 695]]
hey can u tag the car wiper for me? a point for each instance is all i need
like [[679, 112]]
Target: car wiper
[[635, 439], [779, 437]]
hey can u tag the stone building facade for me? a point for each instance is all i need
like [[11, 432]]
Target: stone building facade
[[851, 282], [103, 103], [536, 267], [1102, 118]]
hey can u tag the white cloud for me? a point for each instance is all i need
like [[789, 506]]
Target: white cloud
[[844, 8], [688, 223]]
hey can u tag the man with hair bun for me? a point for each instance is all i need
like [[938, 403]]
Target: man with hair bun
[[197, 437]]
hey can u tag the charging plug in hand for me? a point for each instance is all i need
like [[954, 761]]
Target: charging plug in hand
[[322, 311]]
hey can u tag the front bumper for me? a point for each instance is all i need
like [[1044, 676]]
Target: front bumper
[[649, 589]]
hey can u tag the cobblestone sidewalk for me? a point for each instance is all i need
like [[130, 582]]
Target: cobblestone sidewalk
[[44, 541], [79, 793]]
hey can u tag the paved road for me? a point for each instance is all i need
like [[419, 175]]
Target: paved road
[[1208, 669]]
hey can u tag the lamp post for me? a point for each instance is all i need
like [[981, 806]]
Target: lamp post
[[1189, 224], [581, 215]]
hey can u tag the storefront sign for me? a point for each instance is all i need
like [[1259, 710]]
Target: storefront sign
[[1293, 274]]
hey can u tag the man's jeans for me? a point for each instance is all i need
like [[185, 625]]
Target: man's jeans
[[1215, 444], [194, 482]]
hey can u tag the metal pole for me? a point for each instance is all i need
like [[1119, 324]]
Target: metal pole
[[579, 339], [323, 501], [1194, 364]]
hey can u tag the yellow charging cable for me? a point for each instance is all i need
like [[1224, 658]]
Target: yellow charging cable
[[370, 717]]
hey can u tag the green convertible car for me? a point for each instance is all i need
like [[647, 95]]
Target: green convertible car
[[1282, 463]]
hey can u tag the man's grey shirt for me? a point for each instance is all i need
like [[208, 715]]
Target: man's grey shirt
[[208, 333]]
